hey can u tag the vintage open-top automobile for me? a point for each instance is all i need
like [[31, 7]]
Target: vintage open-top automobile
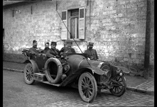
[[88, 76]]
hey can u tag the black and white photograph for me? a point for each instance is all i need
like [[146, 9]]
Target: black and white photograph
[[78, 53]]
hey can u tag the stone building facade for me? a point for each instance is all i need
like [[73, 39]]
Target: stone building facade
[[117, 27]]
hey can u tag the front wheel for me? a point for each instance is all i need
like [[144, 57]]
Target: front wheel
[[87, 87], [120, 88], [28, 74]]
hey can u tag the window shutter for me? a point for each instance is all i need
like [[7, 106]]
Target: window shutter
[[64, 25], [82, 23]]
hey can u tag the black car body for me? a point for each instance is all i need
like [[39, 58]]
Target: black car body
[[89, 76]]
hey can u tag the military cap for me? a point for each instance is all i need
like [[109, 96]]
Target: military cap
[[34, 41], [47, 43], [53, 43], [90, 44]]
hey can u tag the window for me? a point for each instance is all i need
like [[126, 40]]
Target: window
[[74, 19]]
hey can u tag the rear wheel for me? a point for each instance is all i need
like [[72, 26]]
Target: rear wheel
[[28, 74], [118, 89], [87, 87]]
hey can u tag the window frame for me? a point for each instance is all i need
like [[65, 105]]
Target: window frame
[[69, 19], [69, 22]]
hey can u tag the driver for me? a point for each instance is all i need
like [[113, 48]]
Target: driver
[[90, 52], [53, 52]]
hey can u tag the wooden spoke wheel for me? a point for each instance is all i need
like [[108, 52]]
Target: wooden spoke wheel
[[87, 87], [120, 88], [28, 74]]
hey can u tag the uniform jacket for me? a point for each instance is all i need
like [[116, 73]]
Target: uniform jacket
[[34, 50], [92, 54], [52, 52], [67, 50], [46, 50]]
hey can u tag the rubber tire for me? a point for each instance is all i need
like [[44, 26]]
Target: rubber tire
[[25, 78], [59, 72], [92, 79], [123, 89]]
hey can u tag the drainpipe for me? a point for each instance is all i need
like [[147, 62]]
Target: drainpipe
[[147, 40]]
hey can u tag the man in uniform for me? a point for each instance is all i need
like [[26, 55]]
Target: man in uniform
[[53, 52], [67, 48], [90, 52], [34, 49], [46, 47]]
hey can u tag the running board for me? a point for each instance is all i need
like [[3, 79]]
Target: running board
[[46, 82]]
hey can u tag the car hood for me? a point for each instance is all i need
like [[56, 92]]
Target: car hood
[[78, 62], [94, 63]]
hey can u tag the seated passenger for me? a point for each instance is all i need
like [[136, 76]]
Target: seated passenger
[[53, 52], [46, 48], [34, 49], [67, 48]]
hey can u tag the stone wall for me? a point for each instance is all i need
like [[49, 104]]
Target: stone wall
[[117, 27], [42, 25]]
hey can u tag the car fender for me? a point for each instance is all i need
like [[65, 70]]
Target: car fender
[[79, 71], [35, 67], [96, 70], [84, 65]]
